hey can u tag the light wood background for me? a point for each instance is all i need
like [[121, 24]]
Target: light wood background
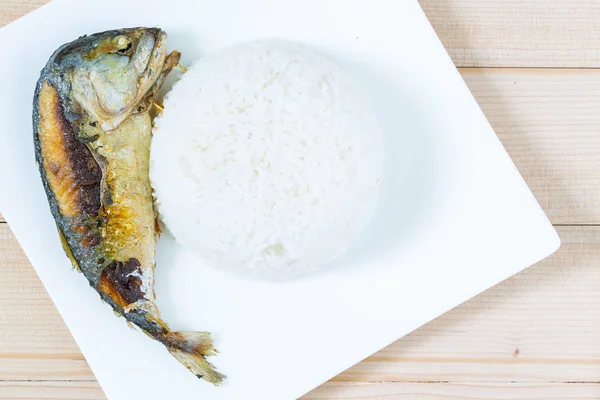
[[532, 65]]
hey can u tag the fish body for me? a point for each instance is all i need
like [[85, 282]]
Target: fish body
[[92, 133]]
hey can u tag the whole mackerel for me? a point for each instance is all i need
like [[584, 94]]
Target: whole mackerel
[[92, 131]]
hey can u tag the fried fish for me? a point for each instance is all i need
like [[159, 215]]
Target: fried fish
[[92, 131]]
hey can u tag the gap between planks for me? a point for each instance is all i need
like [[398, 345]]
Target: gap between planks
[[345, 391]]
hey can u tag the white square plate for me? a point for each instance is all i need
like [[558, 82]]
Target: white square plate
[[455, 216]]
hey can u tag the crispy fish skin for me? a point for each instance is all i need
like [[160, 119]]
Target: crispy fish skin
[[92, 131]]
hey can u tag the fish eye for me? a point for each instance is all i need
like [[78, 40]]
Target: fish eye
[[123, 44], [126, 49]]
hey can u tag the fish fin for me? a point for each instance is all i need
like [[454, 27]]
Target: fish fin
[[142, 305], [196, 347], [171, 62], [157, 228], [67, 249], [129, 323]]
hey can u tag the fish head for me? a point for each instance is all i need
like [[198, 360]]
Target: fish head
[[113, 74]]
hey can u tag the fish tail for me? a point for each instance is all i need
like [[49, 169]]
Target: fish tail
[[191, 350]]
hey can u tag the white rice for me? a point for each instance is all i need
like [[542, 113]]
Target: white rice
[[266, 161]]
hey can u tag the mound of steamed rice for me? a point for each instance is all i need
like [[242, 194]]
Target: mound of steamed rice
[[266, 161]]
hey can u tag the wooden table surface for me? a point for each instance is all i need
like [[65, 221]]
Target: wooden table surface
[[533, 67]]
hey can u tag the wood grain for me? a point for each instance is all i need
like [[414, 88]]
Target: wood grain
[[541, 325], [489, 33]]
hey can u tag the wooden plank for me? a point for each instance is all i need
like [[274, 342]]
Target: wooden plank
[[518, 33], [541, 325], [455, 391], [34, 341], [488, 33], [62, 390], [51, 390], [548, 120]]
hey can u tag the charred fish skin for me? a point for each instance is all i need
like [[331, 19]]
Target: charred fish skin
[[92, 131]]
